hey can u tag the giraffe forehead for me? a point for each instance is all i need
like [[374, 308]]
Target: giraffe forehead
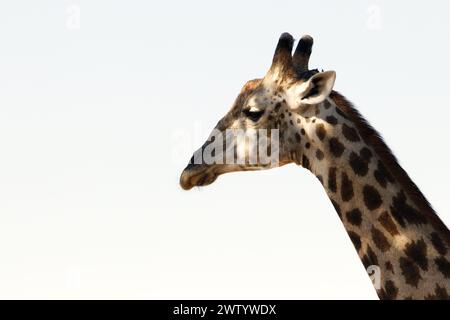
[[262, 98]]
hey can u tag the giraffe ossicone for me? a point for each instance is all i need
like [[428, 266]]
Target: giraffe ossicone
[[389, 221]]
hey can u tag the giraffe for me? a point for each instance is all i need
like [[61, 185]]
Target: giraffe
[[387, 218]]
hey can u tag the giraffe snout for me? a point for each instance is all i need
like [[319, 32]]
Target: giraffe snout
[[185, 181], [196, 175]]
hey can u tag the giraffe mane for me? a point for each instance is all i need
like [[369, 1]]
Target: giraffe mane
[[374, 139]]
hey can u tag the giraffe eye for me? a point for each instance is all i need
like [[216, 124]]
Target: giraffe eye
[[253, 114]]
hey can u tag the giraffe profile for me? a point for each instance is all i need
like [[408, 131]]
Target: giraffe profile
[[389, 221]]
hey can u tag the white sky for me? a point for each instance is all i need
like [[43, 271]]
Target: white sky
[[90, 205]]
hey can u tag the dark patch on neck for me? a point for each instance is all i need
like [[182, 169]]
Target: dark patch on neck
[[358, 164], [354, 217], [369, 258], [327, 104], [417, 251], [319, 154], [389, 292], [438, 244], [388, 265], [404, 213], [382, 175], [388, 224], [440, 293], [372, 198], [355, 239], [320, 131], [346, 188], [336, 147], [332, 179], [366, 154], [380, 240], [443, 265], [305, 162], [350, 133], [331, 120], [410, 271]]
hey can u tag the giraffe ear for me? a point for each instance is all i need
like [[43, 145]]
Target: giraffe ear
[[316, 89]]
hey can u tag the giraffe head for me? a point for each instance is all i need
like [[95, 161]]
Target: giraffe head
[[261, 118]]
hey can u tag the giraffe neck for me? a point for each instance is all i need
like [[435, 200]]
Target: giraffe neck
[[403, 239]]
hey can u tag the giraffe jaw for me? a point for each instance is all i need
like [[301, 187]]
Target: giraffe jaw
[[203, 175]]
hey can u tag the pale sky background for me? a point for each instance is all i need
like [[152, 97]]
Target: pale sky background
[[90, 123]]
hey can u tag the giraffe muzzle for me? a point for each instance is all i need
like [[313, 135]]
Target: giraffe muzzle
[[197, 175]]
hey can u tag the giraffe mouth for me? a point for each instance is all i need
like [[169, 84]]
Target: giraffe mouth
[[197, 176], [203, 175]]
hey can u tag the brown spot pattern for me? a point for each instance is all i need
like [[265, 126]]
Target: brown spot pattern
[[346, 188], [372, 198], [390, 291], [440, 293], [336, 147], [388, 224], [331, 120], [305, 162], [332, 179], [320, 131], [319, 154], [369, 258], [382, 175], [443, 265], [358, 164], [355, 239], [389, 266], [380, 240], [438, 244], [410, 271], [403, 213], [350, 133], [354, 217], [417, 251], [366, 154]]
